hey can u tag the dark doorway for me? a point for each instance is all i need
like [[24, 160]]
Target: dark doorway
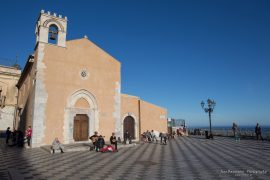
[[80, 130], [129, 125]]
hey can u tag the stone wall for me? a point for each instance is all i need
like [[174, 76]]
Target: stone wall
[[147, 116], [8, 79], [6, 117]]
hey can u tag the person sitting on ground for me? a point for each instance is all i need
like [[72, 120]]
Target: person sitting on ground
[[107, 148], [126, 137], [56, 145], [143, 138], [119, 140], [100, 143], [114, 141], [94, 139]]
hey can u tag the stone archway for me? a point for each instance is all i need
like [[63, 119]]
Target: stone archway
[[129, 125], [136, 125], [72, 110]]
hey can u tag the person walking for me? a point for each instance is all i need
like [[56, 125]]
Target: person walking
[[114, 141], [258, 131], [8, 133], [234, 128], [28, 135]]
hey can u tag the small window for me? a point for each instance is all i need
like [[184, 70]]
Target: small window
[[53, 34]]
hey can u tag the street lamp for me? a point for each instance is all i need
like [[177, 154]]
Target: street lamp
[[209, 109]]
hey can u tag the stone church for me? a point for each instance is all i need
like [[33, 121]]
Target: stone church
[[69, 89]]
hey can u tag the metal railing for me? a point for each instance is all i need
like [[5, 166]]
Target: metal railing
[[244, 133]]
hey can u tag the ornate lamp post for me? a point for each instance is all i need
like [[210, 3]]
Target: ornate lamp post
[[209, 109]]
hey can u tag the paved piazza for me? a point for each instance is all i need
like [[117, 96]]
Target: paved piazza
[[183, 158]]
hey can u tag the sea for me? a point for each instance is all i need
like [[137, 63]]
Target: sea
[[227, 130]]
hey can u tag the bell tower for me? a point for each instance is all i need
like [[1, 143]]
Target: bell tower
[[51, 29]]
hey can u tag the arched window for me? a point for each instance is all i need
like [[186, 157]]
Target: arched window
[[53, 34]]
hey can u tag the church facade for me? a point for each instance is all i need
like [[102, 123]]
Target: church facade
[[69, 89]]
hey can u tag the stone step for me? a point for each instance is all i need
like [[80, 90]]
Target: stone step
[[82, 147]]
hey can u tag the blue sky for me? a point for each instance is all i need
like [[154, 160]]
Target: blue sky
[[173, 53]]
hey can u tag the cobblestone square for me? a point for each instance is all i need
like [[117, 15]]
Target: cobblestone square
[[182, 158]]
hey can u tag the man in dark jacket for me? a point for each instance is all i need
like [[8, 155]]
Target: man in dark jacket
[[258, 132], [94, 139], [100, 143], [114, 141], [8, 132]]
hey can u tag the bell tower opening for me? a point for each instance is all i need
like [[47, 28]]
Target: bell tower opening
[[53, 34], [51, 29]]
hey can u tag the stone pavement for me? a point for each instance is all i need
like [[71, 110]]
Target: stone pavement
[[182, 158]]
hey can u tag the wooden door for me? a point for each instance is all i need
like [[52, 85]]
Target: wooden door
[[80, 130], [129, 125]]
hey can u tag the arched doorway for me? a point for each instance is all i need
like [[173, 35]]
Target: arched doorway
[[81, 102], [129, 125], [80, 130]]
